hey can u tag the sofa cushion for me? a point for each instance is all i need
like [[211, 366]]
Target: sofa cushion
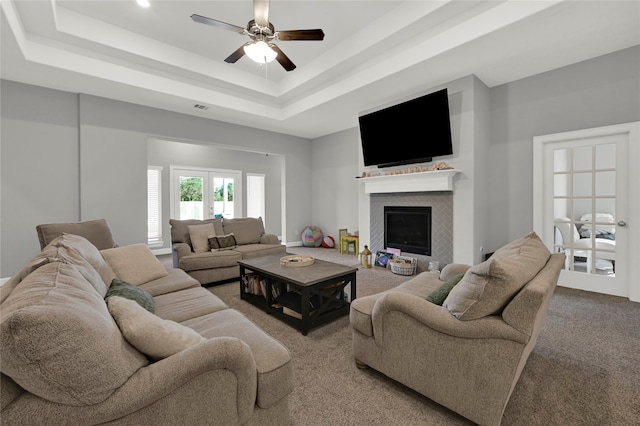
[[129, 291], [250, 251], [443, 291], [210, 260], [59, 342], [79, 252], [156, 337], [17, 278], [489, 286], [89, 252], [97, 232], [180, 229], [134, 263], [187, 304], [176, 280], [247, 230], [200, 235], [453, 269], [273, 359]]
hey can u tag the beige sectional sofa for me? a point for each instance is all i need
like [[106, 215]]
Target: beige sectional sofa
[[193, 252], [468, 351], [68, 356]]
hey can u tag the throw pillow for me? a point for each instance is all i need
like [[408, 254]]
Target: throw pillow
[[488, 287], [213, 243], [134, 263], [441, 293], [129, 291], [225, 242], [156, 337], [200, 235]]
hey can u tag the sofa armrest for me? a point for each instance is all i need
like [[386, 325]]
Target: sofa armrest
[[439, 319], [269, 239], [215, 379], [180, 250]]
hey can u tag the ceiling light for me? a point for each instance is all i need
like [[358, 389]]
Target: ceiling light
[[260, 52], [143, 3]]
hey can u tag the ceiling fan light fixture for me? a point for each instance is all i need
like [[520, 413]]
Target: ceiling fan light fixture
[[260, 52]]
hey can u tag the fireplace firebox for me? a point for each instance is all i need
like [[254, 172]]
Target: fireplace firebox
[[408, 228]]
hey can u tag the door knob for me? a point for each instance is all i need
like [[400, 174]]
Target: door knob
[[622, 223]]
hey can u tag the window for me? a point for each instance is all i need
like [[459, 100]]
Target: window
[[154, 206], [255, 196]]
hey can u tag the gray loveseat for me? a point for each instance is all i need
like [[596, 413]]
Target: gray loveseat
[[466, 353], [70, 357], [209, 264]]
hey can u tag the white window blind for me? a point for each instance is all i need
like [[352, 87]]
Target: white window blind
[[154, 206], [255, 195]]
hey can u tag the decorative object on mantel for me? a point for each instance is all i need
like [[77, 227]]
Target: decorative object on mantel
[[440, 165], [365, 257], [295, 260], [403, 265]]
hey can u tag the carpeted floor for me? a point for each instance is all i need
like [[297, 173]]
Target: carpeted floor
[[584, 370]]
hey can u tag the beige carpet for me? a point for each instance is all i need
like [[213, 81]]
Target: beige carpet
[[585, 369]]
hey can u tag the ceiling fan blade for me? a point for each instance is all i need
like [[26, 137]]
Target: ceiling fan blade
[[300, 35], [239, 53], [283, 59], [261, 12], [218, 24]]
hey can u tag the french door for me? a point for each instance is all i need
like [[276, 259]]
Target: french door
[[582, 206], [205, 193]]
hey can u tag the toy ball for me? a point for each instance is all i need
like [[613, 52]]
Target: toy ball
[[328, 242], [311, 236]]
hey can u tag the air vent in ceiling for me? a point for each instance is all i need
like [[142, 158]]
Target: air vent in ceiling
[[200, 106]]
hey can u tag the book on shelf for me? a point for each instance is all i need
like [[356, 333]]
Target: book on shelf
[[253, 283], [291, 312]]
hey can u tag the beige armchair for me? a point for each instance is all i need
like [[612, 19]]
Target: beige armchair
[[467, 354]]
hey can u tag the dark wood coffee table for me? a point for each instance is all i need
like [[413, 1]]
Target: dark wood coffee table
[[304, 296]]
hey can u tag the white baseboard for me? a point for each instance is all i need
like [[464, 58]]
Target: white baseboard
[[4, 280], [161, 251], [294, 244]]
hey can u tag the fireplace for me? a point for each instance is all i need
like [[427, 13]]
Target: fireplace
[[408, 228]]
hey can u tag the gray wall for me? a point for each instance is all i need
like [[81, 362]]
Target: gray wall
[[65, 157], [593, 93], [167, 153], [69, 157], [601, 91], [39, 174], [334, 183]]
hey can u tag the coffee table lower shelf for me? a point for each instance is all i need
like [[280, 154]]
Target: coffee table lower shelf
[[307, 304]]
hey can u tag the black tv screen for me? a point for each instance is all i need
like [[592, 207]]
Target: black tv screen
[[414, 131]]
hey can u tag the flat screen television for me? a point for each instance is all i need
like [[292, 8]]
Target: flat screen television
[[411, 132]]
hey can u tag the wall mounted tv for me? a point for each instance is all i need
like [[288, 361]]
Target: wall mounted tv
[[411, 132]]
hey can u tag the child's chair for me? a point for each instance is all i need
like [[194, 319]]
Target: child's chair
[[347, 241]]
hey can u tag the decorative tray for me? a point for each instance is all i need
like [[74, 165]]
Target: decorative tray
[[296, 260]]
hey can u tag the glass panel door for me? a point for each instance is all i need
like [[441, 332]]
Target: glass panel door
[[205, 194], [581, 206]]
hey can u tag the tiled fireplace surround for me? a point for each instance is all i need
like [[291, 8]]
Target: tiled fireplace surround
[[441, 203]]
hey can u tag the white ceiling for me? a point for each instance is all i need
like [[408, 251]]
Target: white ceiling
[[373, 52]]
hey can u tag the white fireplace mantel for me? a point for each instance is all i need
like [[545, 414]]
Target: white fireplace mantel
[[438, 180]]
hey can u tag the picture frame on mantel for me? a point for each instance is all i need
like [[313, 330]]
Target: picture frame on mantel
[[382, 259]]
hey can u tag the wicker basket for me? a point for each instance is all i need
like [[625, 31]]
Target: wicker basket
[[403, 265]]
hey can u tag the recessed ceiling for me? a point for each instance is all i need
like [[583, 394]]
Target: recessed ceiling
[[373, 52]]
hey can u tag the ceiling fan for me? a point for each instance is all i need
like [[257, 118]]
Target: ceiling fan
[[262, 33]]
